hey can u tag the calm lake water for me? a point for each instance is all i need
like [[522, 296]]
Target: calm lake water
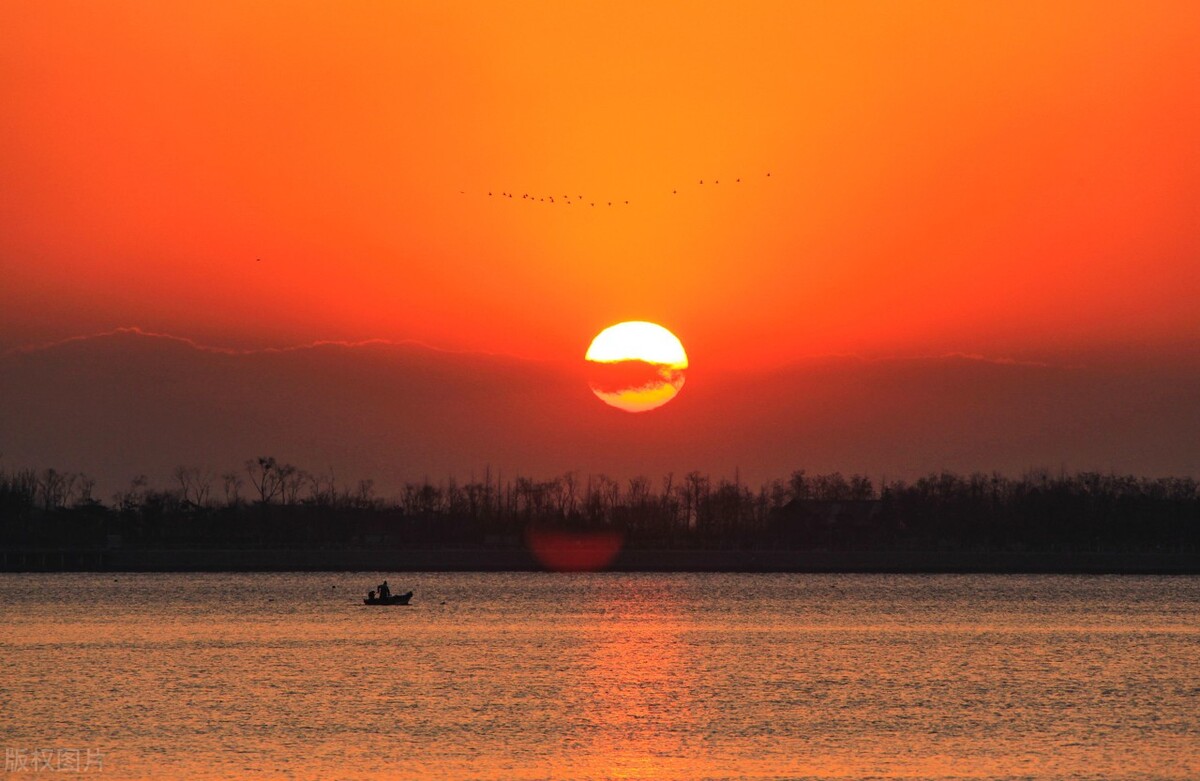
[[612, 676]]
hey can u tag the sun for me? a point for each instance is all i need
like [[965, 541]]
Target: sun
[[636, 366]]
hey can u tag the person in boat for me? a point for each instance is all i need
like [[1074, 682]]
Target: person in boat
[[371, 596], [384, 591]]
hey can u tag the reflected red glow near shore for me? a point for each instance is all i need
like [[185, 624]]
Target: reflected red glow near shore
[[567, 551]]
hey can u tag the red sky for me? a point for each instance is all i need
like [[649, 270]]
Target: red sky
[[1001, 179]]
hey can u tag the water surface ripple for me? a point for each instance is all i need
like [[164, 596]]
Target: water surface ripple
[[608, 676]]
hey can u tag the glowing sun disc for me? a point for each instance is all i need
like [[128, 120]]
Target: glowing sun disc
[[636, 366]]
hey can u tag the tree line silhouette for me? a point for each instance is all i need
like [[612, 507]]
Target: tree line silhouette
[[270, 504]]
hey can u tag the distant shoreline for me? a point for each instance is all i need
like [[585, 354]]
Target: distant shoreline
[[517, 560]]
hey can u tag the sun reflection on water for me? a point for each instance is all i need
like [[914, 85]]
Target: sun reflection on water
[[644, 710]]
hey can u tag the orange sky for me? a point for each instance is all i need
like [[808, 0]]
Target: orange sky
[[999, 178]]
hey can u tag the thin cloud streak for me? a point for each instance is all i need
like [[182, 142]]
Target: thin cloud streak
[[133, 330]]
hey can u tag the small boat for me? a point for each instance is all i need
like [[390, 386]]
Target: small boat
[[394, 599]]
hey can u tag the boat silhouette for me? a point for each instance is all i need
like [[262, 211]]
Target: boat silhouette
[[394, 599]]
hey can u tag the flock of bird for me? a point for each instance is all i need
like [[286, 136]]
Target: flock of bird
[[569, 200]]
